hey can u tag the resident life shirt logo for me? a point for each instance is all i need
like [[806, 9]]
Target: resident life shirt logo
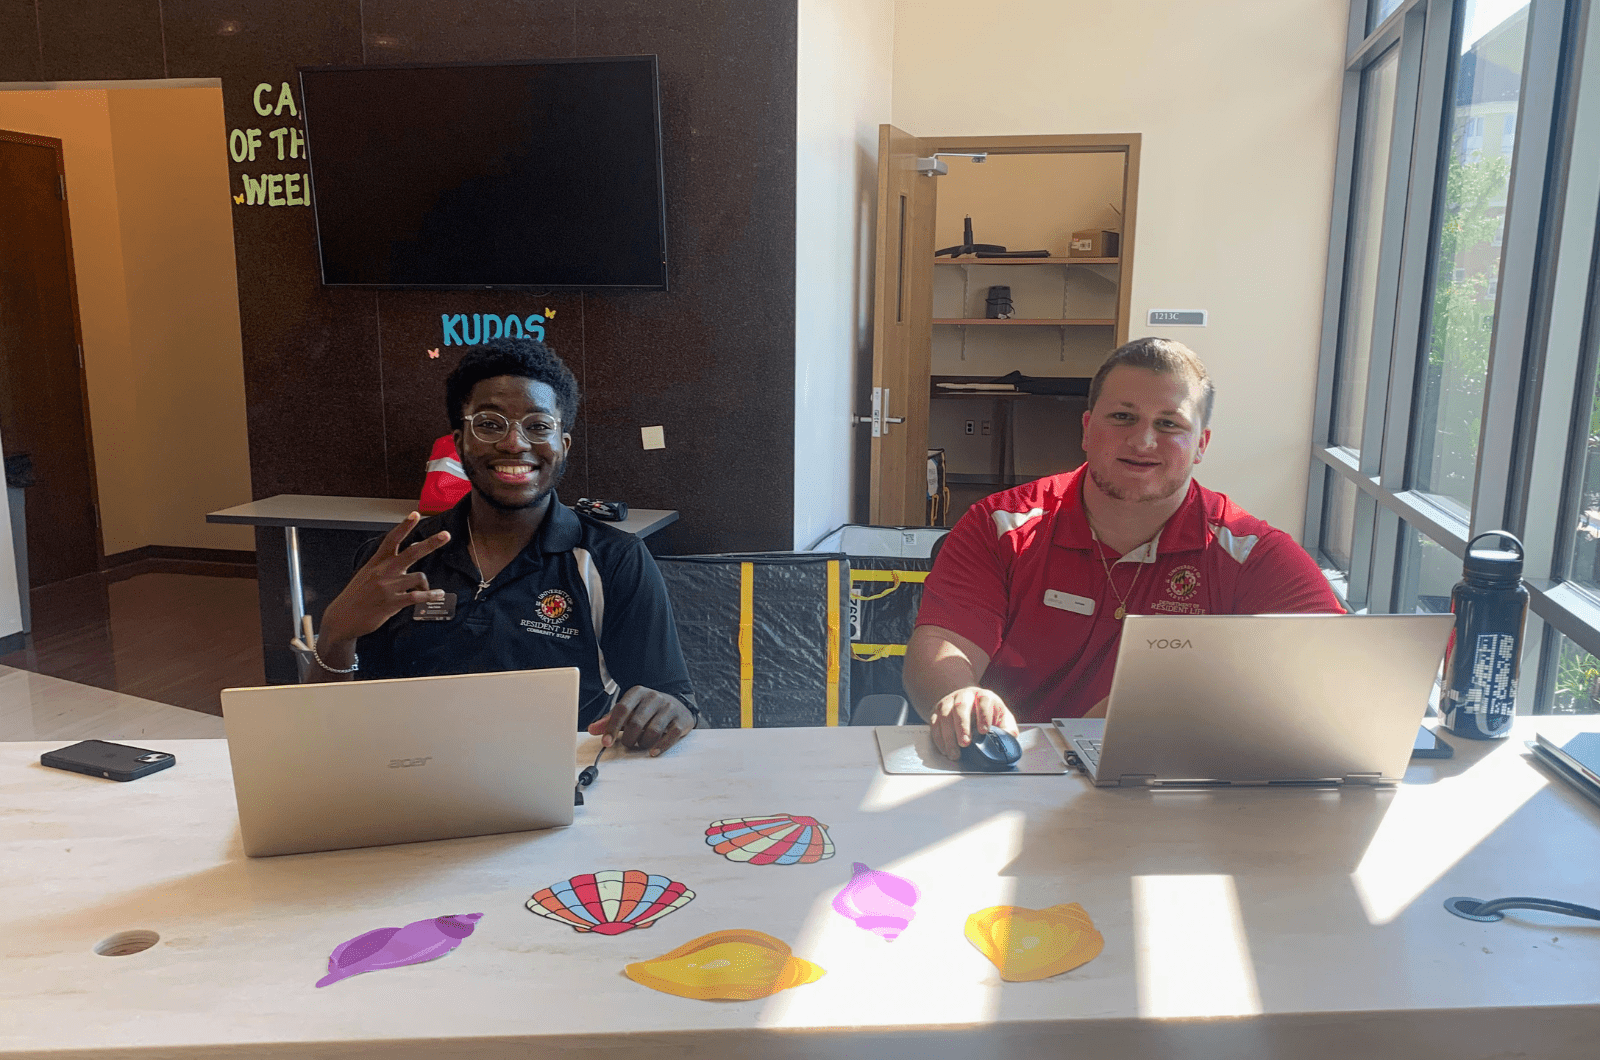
[[554, 617]]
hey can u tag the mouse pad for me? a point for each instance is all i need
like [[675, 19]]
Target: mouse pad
[[909, 749]]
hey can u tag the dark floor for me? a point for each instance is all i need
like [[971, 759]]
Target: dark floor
[[173, 638]]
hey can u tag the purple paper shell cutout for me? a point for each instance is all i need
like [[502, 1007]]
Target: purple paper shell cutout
[[391, 947], [879, 902]]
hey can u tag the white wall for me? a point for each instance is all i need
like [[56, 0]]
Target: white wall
[[10, 591], [1238, 106], [846, 55]]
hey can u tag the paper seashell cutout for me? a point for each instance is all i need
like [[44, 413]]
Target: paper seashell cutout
[[738, 965], [392, 947], [776, 839], [879, 902], [610, 902], [1029, 944]]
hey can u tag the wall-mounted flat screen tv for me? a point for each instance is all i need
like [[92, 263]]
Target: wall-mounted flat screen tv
[[532, 175]]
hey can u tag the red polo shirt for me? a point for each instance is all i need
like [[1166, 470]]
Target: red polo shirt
[[1021, 577]]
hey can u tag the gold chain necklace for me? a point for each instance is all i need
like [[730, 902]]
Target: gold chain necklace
[[1122, 598]]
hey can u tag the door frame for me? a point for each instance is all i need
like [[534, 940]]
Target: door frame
[[914, 375], [55, 144]]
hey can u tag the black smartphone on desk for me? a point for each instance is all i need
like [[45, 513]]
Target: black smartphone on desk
[[114, 761], [1428, 745]]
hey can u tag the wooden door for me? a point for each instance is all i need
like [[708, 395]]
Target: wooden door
[[902, 333], [42, 407]]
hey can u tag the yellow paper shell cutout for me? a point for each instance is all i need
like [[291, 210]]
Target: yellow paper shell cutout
[[735, 965], [1028, 944]]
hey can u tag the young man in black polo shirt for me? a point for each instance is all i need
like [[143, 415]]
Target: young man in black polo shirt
[[526, 582]]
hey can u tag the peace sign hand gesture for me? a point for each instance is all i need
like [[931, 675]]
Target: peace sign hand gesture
[[383, 586]]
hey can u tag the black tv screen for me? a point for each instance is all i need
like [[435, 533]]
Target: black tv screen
[[510, 175]]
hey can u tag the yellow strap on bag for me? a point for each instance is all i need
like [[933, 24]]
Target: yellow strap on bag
[[874, 652], [893, 577], [747, 650], [833, 642]]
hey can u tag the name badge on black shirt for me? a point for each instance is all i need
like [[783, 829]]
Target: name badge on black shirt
[[435, 610]]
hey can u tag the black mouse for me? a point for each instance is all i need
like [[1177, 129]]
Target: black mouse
[[996, 751]]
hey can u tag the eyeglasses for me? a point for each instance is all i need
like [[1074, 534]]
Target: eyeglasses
[[491, 428]]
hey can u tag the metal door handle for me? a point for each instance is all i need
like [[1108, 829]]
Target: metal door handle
[[880, 422]]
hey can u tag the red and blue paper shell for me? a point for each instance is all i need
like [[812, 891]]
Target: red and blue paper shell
[[610, 902], [776, 839]]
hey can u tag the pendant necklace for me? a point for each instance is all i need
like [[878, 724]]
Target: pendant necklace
[[1122, 598], [483, 583]]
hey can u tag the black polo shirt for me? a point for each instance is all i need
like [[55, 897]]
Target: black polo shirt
[[539, 612]]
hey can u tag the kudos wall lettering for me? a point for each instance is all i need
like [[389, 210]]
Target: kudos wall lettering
[[462, 330]]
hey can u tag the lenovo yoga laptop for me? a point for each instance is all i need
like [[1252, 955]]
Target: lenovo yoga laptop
[[1262, 699]]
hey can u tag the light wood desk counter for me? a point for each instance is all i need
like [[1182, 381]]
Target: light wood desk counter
[[1243, 924]]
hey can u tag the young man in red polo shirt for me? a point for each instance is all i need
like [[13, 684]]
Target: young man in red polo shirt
[[1022, 613]]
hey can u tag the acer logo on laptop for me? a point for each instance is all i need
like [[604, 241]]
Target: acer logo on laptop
[[1165, 643], [406, 763]]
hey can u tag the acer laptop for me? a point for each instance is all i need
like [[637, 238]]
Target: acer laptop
[[366, 763], [1215, 700]]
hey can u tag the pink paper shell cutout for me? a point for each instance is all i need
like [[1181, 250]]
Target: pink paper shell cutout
[[879, 902]]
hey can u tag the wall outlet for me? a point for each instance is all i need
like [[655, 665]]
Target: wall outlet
[[970, 426], [985, 426]]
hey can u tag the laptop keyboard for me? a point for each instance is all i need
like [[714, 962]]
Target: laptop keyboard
[[1088, 749]]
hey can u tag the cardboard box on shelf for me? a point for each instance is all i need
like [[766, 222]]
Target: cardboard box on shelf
[[1095, 243]]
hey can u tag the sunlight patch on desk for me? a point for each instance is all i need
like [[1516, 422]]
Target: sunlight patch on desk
[[891, 792], [873, 982], [1428, 829], [1190, 948]]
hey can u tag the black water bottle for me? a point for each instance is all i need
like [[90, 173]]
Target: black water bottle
[[1481, 662]]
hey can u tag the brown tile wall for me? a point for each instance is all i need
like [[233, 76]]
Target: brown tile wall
[[343, 398]]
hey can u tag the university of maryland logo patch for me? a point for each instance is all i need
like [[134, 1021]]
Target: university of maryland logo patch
[[554, 605], [1182, 582]]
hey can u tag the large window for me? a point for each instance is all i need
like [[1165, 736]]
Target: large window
[[1361, 269], [1483, 92], [1460, 382]]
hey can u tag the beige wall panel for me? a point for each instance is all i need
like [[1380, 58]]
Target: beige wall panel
[[1238, 106], [183, 311]]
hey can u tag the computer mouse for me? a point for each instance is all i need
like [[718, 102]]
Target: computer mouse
[[995, 751]]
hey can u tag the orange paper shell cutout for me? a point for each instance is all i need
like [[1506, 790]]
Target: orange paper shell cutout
[[1029, 944], [735, 965]]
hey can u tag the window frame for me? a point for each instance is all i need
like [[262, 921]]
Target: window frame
[[1544, 340]]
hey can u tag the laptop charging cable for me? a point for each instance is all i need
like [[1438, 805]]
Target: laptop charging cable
[[1487, 912], [587, 776]]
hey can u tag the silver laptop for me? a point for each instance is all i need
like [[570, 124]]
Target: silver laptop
[[1262, 699], [365, 763]]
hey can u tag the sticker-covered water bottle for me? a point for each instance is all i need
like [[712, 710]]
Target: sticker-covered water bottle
[[1485, 650]]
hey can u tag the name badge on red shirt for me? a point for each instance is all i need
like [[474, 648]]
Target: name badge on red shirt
[[1068, 602]]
